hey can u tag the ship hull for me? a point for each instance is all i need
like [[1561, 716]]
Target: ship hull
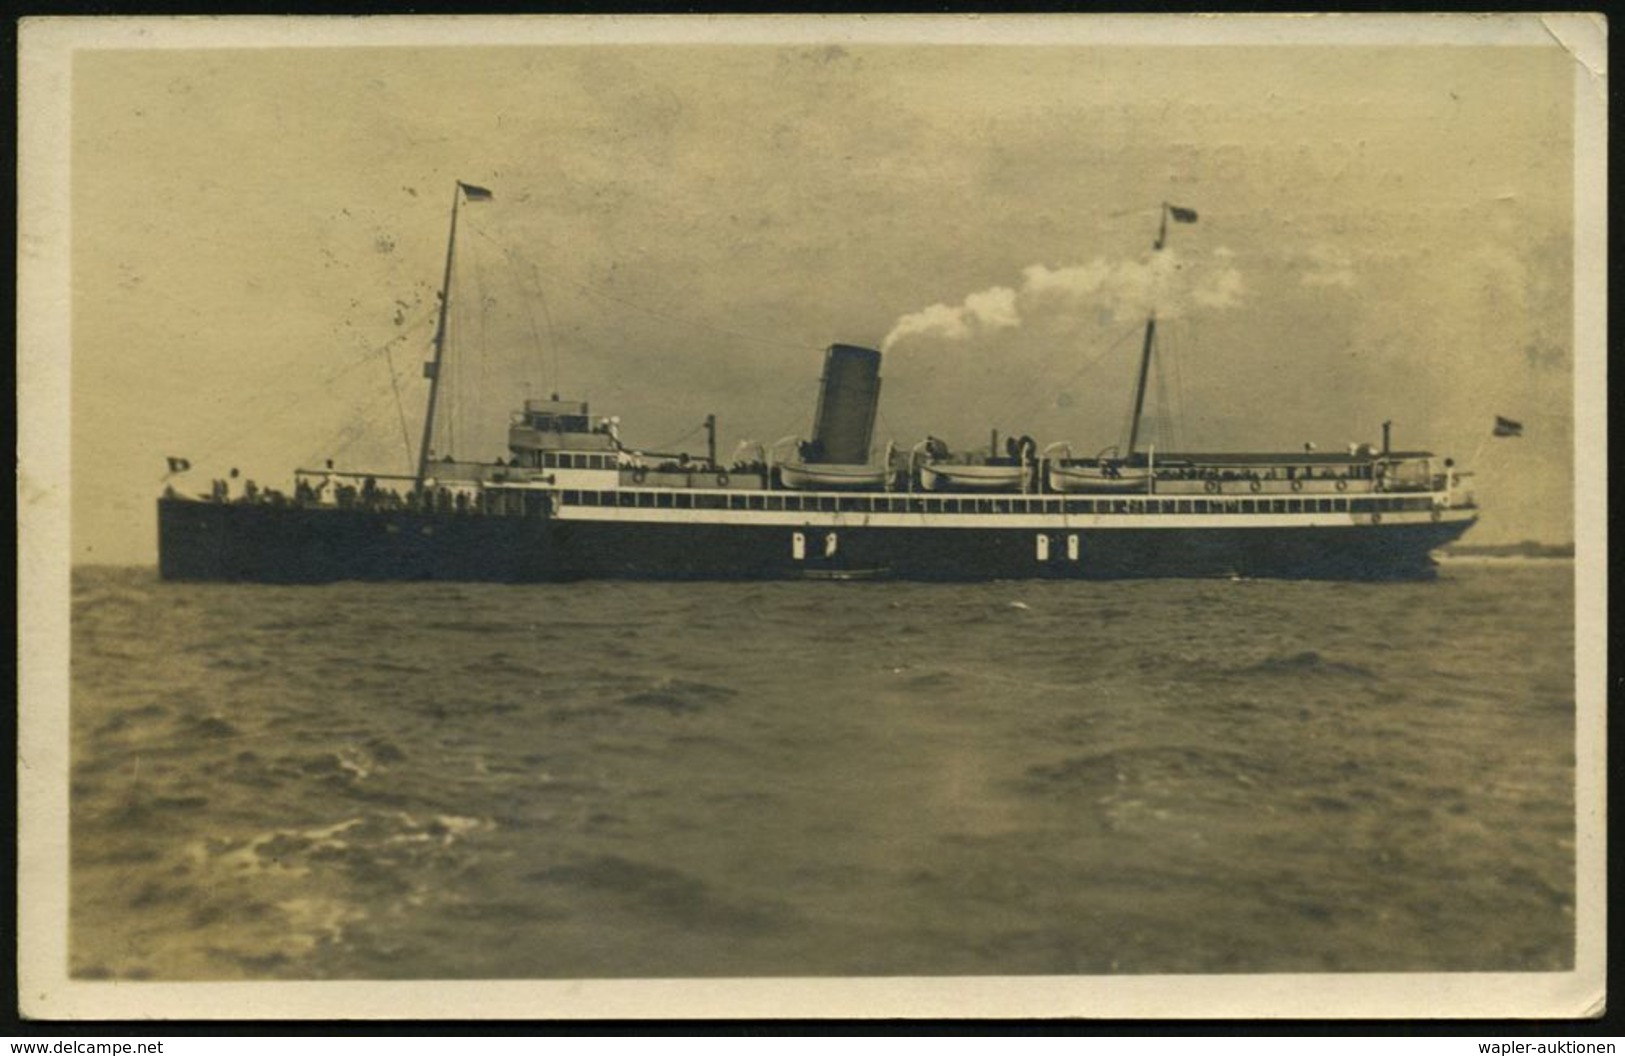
[[201, 541]]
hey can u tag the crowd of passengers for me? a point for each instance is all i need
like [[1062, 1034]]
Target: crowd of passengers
[[369, 495], [1359, 472]]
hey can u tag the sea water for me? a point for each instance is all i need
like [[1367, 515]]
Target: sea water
[[799, 779]]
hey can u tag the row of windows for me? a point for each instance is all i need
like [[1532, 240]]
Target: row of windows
[[665, 498], [564, 460]]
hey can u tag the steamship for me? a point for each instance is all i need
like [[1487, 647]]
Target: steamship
[[572, 501]]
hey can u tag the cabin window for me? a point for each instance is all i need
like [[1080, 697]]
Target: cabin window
[[1277, 505], [1248, 506], [1167, 505], [646, 499], [685, 501], [849, 503], [757, 503], [826, 503], [572, 498], [664, 500], [737, 502], [710, 502], [1294, 505], [775, 502], [1184, 505], [933, 505]]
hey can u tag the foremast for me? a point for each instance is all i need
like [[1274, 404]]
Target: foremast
[[431, 370]]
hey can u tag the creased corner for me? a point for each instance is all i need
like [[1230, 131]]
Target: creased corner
[[1584, 35]]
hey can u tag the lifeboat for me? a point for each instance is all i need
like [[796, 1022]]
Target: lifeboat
[[827, 476], [1099, 477], [946, 476]]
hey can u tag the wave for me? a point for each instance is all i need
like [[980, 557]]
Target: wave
[[1307, 662], [664, 891]]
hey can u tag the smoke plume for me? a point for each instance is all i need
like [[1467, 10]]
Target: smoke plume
[[1164, 281]]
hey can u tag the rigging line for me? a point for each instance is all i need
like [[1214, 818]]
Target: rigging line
[[591, 292], [673, 443], [1025, 398], [231, 433], [400, 409], [354, 429], [551, 349], [475, 397]]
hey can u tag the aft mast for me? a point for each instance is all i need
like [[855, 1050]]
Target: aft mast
[[431, 370], [1183, 216]]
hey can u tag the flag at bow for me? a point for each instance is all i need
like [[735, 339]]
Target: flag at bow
[[178, 465], [1507, 427], [1182, 215], [475, 194]]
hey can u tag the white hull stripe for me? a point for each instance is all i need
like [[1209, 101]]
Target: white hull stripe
[[1023, 521]]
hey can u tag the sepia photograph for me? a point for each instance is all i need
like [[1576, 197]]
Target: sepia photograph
[[755, 516]]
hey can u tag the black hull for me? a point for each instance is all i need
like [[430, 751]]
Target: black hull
[[202, 541]]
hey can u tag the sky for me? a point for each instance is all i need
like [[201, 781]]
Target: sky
[[679, 229]]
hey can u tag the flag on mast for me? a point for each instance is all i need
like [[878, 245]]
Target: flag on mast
[[475, 194], [1182, 215], [1507, 427]]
